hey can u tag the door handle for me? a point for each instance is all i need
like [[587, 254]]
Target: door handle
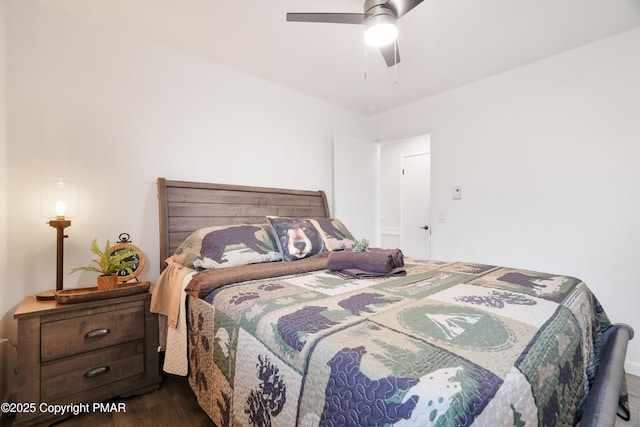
[[424, 227]]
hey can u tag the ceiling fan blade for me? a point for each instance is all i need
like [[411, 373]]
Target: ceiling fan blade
[[334, 18], [400, 7], [391, 54]]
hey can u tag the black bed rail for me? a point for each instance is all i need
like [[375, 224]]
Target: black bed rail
[[603, 402]]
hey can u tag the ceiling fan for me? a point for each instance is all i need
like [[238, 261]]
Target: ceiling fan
[[379, 18]]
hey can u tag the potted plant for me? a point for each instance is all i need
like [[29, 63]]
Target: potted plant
[[108, 265]]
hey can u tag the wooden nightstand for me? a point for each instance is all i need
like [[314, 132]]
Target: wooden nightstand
[[85, 352]]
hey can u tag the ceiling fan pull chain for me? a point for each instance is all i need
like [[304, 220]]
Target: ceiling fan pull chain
[[365, 60]]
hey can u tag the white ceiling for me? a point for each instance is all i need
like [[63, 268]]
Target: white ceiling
[[443, 43]]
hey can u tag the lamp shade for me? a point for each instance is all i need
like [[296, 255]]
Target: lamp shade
[[381, 29], [59, 199]]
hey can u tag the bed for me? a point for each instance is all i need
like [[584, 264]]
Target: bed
[[267, 339]]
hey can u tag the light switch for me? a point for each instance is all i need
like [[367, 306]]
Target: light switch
[[456, 192]]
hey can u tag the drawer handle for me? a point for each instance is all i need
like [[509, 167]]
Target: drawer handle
[[97, 333], [96, 371]]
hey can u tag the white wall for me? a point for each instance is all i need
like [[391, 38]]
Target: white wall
[[112, 112], [355, 186], [4, 289], [548, 157]]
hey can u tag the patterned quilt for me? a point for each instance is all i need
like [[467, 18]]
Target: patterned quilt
[[449, 344]]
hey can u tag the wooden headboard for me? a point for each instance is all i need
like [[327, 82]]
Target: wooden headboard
[[187, 206]]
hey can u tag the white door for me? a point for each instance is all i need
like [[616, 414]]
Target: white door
[[415, 206], [355, 186]]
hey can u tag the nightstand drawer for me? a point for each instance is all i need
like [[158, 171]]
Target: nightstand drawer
[[76, 335], [81, 373]]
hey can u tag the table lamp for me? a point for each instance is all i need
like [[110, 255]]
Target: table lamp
[[59, 202]]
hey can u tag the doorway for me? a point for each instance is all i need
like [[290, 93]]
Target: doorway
[[405, 199]]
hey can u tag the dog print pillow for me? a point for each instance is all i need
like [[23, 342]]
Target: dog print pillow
[[298, 238]]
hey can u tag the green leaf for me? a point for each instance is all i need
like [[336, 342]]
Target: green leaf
[[108, 264]]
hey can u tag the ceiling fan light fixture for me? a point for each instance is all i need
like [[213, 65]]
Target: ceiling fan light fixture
[[381, 30]]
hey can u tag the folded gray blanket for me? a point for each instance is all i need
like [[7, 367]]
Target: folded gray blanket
[[372, 261], [398, 256], [354, 273]]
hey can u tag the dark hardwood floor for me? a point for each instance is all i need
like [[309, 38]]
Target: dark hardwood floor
[[633, 386], [174, 404]]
